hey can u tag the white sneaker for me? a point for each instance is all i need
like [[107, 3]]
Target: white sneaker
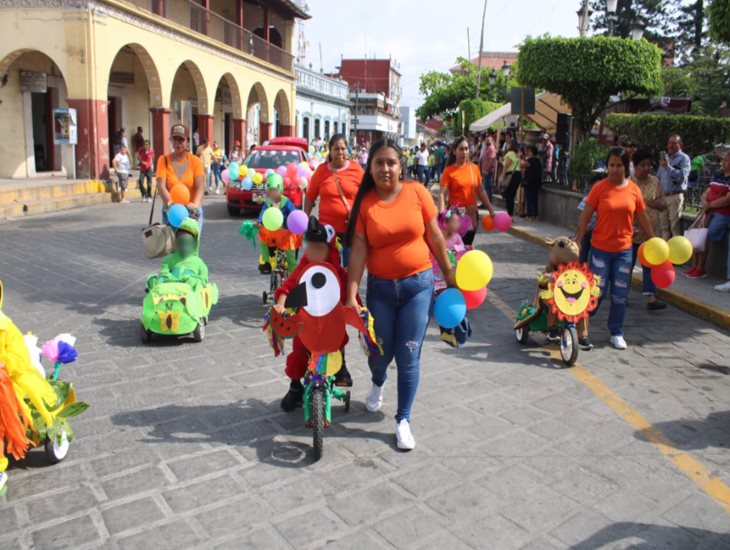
[[406, 441], [724, 287], [374, 400], [618, 342], [217, 191]]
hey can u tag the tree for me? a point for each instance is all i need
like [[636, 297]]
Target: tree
[[719, 12], [655, 14], [586, 72], [692, 29], [705, 80], [445, 91], [471, 110]]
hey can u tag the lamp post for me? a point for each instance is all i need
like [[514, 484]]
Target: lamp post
[[611, 6], [637, 29], [584, 16]]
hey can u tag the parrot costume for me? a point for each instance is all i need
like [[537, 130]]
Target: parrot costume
[[32, 409]]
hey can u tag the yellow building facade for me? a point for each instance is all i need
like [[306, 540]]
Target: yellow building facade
[[222, 67]]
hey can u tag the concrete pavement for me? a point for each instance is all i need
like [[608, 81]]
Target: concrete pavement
[[185, 444]]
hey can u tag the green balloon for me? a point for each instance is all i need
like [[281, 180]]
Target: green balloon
[[273, 219]]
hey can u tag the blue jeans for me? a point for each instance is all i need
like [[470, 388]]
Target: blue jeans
[[423, 174], [614, 268], [488, 180], [648, 286], [401, 309]]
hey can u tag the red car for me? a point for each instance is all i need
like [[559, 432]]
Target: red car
[[279, 152]]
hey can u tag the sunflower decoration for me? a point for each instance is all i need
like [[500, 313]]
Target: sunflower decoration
[[169, 320], [572, 292]]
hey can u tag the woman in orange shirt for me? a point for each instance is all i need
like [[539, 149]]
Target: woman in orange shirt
[[181, 167], [391, 230], [335, 184], [617, 201], [461, 183]]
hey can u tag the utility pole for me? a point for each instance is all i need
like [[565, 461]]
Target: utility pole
[[468, 45], [481, 47], [357, 107]]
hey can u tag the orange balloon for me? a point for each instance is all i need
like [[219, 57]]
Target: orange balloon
[[640, 256], [488, 223], [180, 194]]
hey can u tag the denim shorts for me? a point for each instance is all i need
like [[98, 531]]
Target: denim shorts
[[718, 226]]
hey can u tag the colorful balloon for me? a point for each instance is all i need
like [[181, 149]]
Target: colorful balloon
[[176, 214], [233, 171], [474, 298], [242, 171], [297, 222], [656, 251], [488, 223], [281, 170], [268, 173], [247, 184], [291, 170], [640, 255], [273, 219], [663, 274], [180, 194], [474, 270], [502, 221], [680, 250], [257, 178], [450, 308], [225, 176]]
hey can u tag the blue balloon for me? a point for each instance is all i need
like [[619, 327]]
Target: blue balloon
[[268, 173], [247, 184], [233, 171], [177, 214], [450, 308]]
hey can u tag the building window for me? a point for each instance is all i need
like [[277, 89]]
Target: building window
[[326, 129], [334, 127], [344, 128], [305, 128], [317, 133]]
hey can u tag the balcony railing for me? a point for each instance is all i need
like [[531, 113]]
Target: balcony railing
[[199, 19]]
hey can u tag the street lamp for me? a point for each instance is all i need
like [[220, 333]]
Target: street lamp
[[492, 78], [505, 69], [584, 15], [611, 6], [637, 29]]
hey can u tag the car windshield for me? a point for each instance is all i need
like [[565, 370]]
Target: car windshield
[[268, 158]]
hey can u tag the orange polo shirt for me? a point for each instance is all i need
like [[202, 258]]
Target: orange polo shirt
[[332, 209], [615, 208], [167, 172], [462, 182], [396, 231]]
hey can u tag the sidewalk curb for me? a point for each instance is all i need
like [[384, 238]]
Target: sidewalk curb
[[686, 303]]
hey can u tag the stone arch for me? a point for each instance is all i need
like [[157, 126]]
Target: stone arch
[[258, 95], [236, 99], [150, 70], [201, 91], [283, 108]]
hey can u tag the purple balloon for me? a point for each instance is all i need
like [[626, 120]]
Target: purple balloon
[[281, 170], [297, 222]]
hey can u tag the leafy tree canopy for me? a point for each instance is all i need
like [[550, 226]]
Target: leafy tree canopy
[[719, 12]]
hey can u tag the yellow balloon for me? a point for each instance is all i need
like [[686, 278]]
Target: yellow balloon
[[656, 251], [474, 270], [243, 171], [680, 250], [257, 178]]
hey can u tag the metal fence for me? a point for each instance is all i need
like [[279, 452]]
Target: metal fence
[[199, 19]]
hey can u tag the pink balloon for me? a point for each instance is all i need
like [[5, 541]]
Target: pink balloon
[[502, 221], [281, 170], [474, 298], [225, 176], [287, 181], [663, 274]]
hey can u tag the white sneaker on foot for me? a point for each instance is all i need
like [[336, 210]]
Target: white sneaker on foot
[[374, 400], [724, 287], [618, 342], [406, 441]]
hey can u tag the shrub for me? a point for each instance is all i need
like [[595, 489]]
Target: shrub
[[472, 110], [585, 158]]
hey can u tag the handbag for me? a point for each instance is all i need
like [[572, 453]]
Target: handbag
[[158, 239], [697, 233], [344, 199]]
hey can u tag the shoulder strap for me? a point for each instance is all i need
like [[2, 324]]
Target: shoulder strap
[[154, 197], [341, 192]]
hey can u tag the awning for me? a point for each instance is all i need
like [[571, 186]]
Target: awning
[[547, 108]]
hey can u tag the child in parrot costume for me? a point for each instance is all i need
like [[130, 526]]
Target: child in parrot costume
[[320, 248], [282, 238], [184, 265]]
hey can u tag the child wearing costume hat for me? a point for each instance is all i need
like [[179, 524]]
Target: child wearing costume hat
[[320, 247], [282, 238], [183, 265]]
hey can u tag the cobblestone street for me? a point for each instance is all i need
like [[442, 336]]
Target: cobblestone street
[[185, 444]]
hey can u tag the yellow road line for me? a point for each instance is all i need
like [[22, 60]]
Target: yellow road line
[[684, 461]]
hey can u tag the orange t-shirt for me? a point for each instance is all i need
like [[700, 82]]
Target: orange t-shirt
[[332, 209], [461, 182], [195, 168], [615, 208], [396, 231]]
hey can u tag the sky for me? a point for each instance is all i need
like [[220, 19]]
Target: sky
[[425, 35]]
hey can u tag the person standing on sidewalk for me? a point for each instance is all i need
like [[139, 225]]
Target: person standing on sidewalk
[[488, 164], [653, 195], [511, 177], [673, 173], [391, 230], [236, 154], [205, 152], [122, 166], [137, 142], [146, 160], [532, 182], [422, 164], [218, 163], [617, 202], [461, 184]]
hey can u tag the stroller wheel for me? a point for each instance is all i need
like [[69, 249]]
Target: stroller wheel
[[265, 297]]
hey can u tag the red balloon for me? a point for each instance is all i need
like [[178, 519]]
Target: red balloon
[[474, 298], [640, 256], [663, 274], [488, 223], [291, 170]]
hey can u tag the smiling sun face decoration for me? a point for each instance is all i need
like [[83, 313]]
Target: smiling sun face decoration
[[572, 292]]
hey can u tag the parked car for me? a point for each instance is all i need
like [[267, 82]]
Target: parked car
[[280, 151]]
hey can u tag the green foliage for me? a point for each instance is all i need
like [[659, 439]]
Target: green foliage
[[445, 91], [585, 158], [699, 133], [586, 72], [705, 80], [472, 110], [657, 15], [678, 82], [719, 12]]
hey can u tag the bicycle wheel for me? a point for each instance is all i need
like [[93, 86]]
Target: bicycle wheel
[[317, 419], [569, 346], [521, 335]]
